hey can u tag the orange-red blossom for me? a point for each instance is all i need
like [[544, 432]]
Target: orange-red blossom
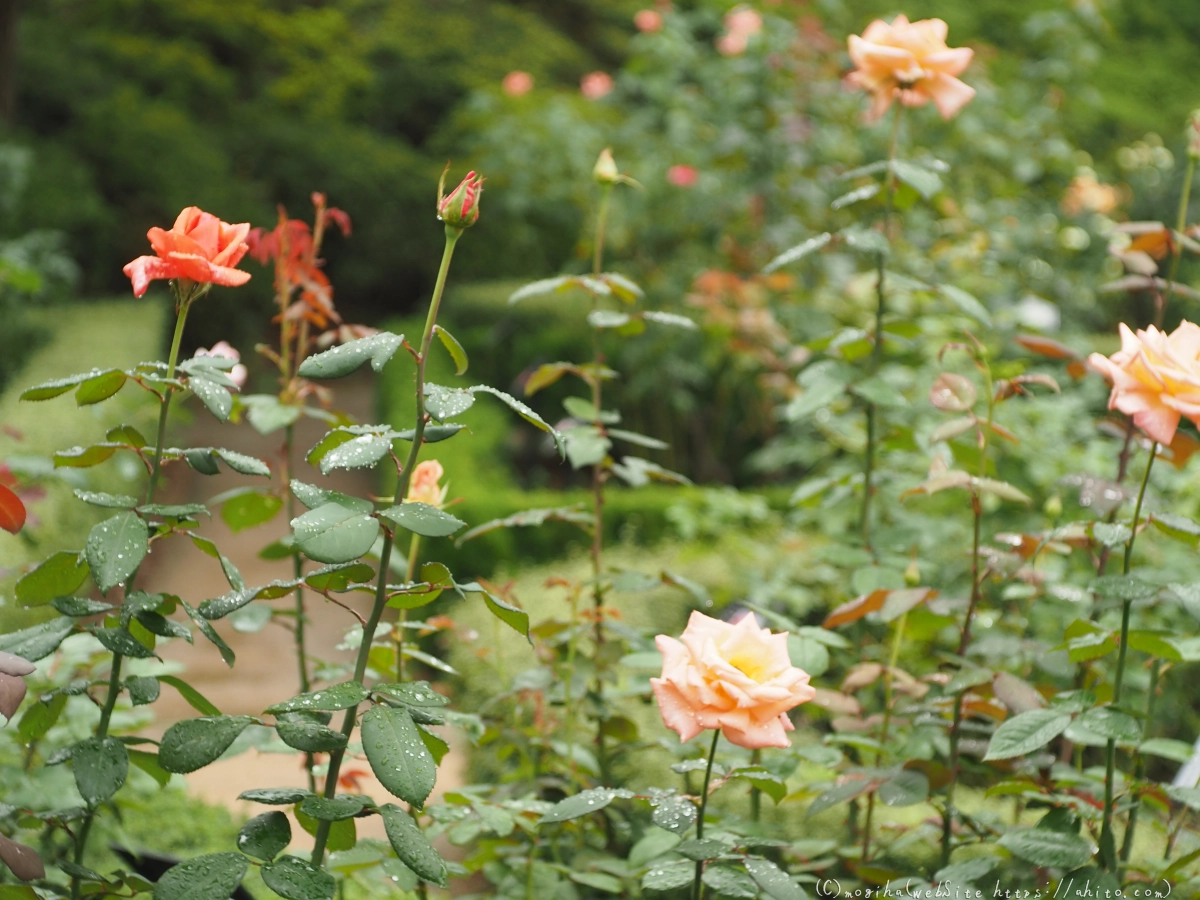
[[199, 247], [735, 677], [1155, 378], [910, 62]]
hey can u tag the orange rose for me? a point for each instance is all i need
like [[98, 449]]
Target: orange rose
[[199, 247], [424, 487], [910, 61], [736, 677], [1155, 378]]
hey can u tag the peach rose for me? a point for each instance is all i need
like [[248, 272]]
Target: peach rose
[[595, 85], [910, 62], [741, 23], [199, 247], [736, 677], [1155, 378], [224, 349], [517, 83], [648, 20], [424, 487]]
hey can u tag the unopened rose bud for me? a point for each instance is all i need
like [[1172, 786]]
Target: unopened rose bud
[[606, 171], [460, 208], [912, 574], [1053, 507], [1193, 135]]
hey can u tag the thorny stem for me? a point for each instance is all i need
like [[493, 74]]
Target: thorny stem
[[1139, 769], [1108, 845], [385, 555], [183, 303], [414, 548], [876, 358], [598, 477], [897, 642], [712, 754], [297, 573], [755, 793], [964, 641]]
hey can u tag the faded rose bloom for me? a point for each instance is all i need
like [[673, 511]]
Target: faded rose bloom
[[1086, 194], [425, 487], [595, 85], [741, 23], [199, 247], [735, 677], [1155, 378], [683, 176], [460, 208], [648, 20], [910, 62], [517, 83], [223, 349]]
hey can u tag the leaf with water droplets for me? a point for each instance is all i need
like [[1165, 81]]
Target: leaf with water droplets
[[423, 519], [446, 402], [266, 836], [398, 756], [332, 809], [669, 876], [773, 880], [115, 548], [294, 879], [209, 632], [194, 743], [121, 640], [101, 765], [411, 845], [305, 733], [212, 877], [107, 501], [672, 812], [312, 497], [730, 882], [213, 394], [339, 361], [340, 696], [582, 804], [356, 453], [523, 411], [334, 534], [275, 796], [62, 573], [49, 389], [39, 640]]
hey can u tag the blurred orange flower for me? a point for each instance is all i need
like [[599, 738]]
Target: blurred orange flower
[[910, 62], [517, 83], [648, 20], [199, 247], [595, 85]]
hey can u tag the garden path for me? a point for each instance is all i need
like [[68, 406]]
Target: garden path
[[266, 670]]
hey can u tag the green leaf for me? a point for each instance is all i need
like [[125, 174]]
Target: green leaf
[[339, 696], [266, 414], [357, 453], [669, 876], [1026, 732], [1155, 644], [339, 576], [333, 534], [1123, 587], [730, 882], [210, 633], [411, 845], [866, 192], [773, 880], [966, 303], [767, 782], [126, 434], [878, 391], [522, 410], [1167, 748], [38, 641], [609, 884], [920, 179], [194, 698], [143, 689], [294, 879], [213, 394], [62, 573], [99, 388], [121, 640], [307, 734], [48, 389], [423, 519], [80, 606], [398, 756], [174, 510], [275, 796], [1179, 527], [243, 464], [582, 804], [787, 257], [212, 877], [148, 763], [84, 457], [265, 836], [101, 765], [339, 361], [194, 743], [672, 319], [673, 812], [454, 348], [413, 693], [332, 809], [343, 835], [115, 548], [446, 402], [40, 718], [313, 497], [653, 844], [1111, 724], [515, 618], [907, 787], [248, 509], [1052, 849], [544, 286], [107, 501]]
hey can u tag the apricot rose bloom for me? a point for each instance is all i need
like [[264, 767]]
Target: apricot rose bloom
[[424, 486], [736, 677], [199, 247], [910, 62], [1155, 378]]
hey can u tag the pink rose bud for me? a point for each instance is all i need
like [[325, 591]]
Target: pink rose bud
[[606, 171], [648, 20], [1193, 135], [517, 83], [224, 349], [683, 176], [735, 677], [460, 208], [425, 486]]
